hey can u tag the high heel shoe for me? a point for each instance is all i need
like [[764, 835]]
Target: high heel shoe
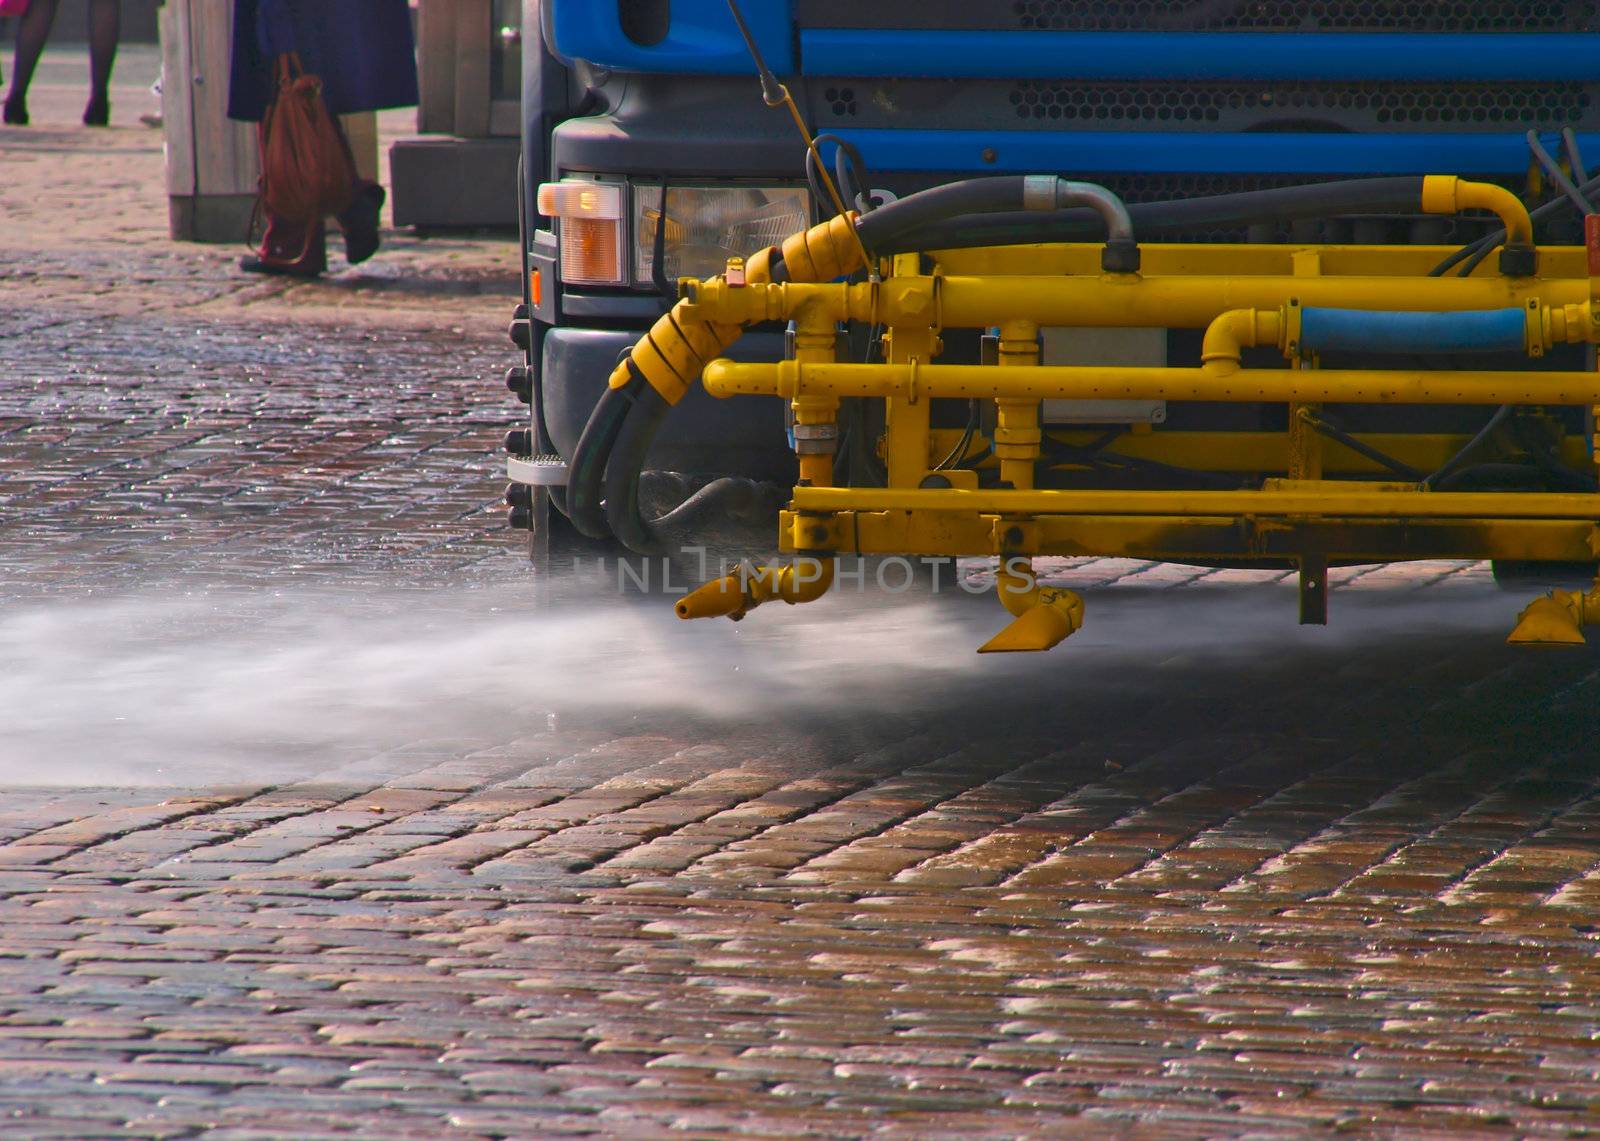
[[98, 112], [16, 112]]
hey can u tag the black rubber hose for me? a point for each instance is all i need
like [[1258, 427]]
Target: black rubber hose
[[722, 502], [1361, 448], [940, 203], [586, 473], [626, 462], [1557, 175], [1457, 461], [1321, 199]]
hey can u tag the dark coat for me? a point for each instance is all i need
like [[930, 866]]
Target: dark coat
[[361, 49]]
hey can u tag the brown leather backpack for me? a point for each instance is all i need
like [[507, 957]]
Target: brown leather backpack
[[306, 166]]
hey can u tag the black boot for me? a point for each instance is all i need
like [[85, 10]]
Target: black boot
[[98, 112], [16, 112], [360, 222]]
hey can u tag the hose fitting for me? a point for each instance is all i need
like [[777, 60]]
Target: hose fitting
[[1121, 252], [1448, 194]]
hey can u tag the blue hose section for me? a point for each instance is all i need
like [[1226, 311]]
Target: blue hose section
[[1478, 331]]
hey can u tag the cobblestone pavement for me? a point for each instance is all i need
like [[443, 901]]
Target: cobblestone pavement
[[315, 825]]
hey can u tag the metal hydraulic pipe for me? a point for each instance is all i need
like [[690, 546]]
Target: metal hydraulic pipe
[[1118, 300], [1325, 503], [1128, 301], [1217, 382]]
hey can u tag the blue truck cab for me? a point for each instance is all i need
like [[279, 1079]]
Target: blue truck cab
[[649, 154]]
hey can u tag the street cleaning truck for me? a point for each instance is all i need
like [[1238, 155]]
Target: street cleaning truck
[[1225, 282]]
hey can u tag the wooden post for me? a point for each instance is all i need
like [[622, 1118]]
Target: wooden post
[[212, 161], [436, 66], [474, 46]]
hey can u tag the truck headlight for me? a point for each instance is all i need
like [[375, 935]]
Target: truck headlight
[[707, 225], [592, 216]]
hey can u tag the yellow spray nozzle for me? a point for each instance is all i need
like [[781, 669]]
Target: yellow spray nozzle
[[804, 580], [719, 598], [1040, 627], [1554, 621]]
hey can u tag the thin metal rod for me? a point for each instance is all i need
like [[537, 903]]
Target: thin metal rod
[[776, 94]]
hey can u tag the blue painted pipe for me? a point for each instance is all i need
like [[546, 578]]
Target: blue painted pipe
[[1478, 331], [1078, 153], [1410, 57]]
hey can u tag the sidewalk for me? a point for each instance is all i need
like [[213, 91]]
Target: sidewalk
[[169, 421], [83, 218]]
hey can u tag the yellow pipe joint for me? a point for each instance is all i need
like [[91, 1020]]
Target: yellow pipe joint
[[1239, 329], [1448, 194]]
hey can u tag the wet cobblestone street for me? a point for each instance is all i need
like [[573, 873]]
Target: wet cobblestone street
[[319, 819]]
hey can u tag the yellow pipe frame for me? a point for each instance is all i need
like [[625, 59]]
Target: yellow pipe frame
[[1243, 297]]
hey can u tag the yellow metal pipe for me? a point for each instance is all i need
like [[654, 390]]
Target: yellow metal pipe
[[1355, 503], [1213, 538], [816, 429], [1448, 194], [1083, 382], [1162, 259], [1120, 300], [1125, 300], [1017, 434], [908, 415]]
